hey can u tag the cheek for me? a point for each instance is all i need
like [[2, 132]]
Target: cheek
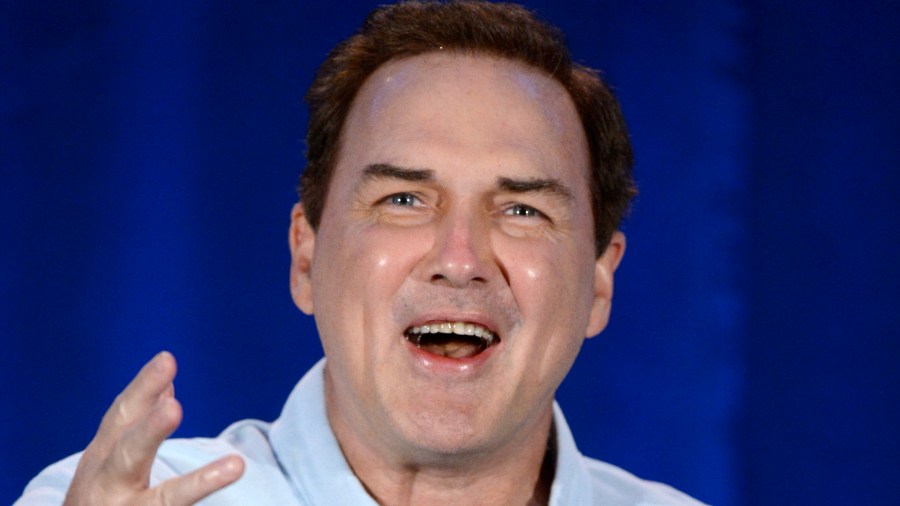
[[356, 275], [552, 285], [387, 256], [554, 296], [539, 270], [364, 264]]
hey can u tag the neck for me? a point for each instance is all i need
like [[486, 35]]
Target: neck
[[519, 473]]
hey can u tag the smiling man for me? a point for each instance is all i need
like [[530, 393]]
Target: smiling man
[[459, 205], [456, 242]]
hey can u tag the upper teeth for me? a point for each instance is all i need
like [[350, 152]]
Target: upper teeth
[[460, 328]]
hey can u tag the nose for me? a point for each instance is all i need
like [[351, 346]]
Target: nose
[[461, 254]]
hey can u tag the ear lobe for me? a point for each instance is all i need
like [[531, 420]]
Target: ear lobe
[[604, 268], [302, 240]]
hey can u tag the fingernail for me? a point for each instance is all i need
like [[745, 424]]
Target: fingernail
[[232, 468], [159, 358], [224, 471]]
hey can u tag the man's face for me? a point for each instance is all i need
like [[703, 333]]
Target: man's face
[[459, 202]]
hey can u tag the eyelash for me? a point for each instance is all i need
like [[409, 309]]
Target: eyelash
[[524, 211], [411, 200], [393, 200]]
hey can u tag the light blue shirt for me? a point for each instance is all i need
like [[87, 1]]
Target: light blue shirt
[[296, 460]]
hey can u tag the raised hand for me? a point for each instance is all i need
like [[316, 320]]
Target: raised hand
[[115, 467]]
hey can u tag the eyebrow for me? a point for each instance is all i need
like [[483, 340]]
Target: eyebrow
[[549, 186], [388, 171]]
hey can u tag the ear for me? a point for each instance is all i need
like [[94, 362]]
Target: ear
[[604, 268], [302, 240]]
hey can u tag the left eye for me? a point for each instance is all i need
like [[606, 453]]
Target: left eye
[[403, 199], [523, 211]]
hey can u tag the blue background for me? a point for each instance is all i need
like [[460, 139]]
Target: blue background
[[148, 154]]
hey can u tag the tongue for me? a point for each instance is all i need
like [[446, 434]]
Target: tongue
[[453, 349]]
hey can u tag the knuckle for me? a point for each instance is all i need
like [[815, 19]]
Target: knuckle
[[126, 457], [120, 409], [163, 496]]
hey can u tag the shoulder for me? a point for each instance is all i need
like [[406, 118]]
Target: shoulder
[[263, 476], [583, 480], [176, 457], [49, 487], [247, 438], [617, 486]]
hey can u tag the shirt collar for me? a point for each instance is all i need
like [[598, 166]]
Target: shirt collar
[[571, 483], [311, 457], [308, 450]]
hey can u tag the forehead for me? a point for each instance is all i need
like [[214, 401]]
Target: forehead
[[444, 105]]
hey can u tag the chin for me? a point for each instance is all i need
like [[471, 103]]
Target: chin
[[445, 434]]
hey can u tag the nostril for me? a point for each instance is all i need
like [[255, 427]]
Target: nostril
[[441, 278]]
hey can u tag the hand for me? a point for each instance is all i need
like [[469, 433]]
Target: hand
[[115, 467]]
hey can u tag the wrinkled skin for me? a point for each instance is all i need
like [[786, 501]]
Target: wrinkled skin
[[455, 229]]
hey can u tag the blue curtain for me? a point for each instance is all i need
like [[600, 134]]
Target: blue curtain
[[149, 153]]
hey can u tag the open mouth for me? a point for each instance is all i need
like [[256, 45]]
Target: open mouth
[[452, 339]]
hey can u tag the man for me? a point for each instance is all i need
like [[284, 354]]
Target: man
[[456, 241]]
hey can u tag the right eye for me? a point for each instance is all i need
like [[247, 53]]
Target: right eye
[[403, 200]]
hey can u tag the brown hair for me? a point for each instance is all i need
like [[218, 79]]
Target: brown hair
[[497, 29]]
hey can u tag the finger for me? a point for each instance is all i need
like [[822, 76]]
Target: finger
[[132, 456], [139, 397], [153, 380], [194, 486]]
